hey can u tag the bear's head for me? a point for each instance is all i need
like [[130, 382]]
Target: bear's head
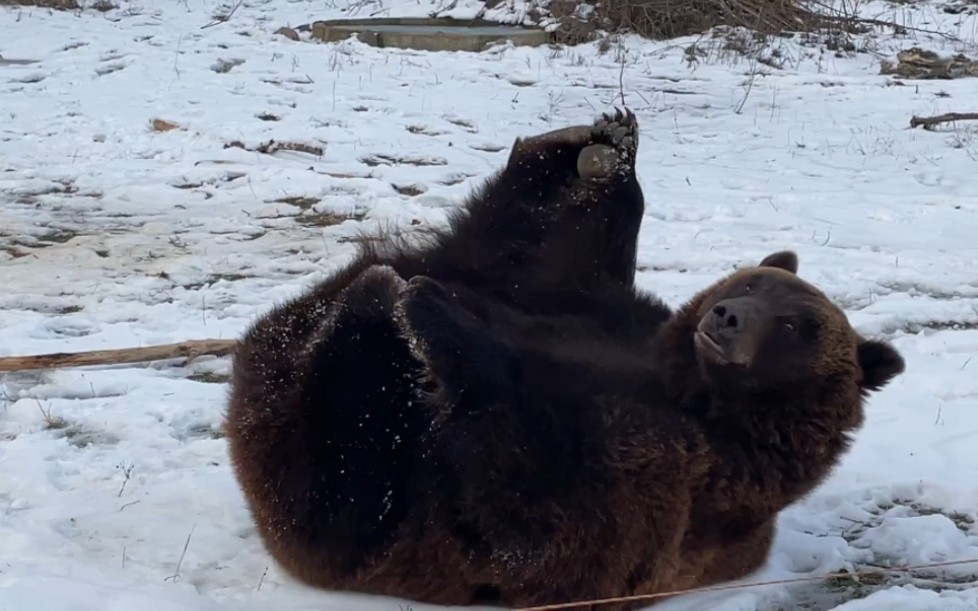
[[764, 327]]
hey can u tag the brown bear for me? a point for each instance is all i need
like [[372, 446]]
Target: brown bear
[[422, 427], [326, 414]]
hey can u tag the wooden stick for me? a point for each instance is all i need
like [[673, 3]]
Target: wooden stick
[[929, 122], [189, 350]]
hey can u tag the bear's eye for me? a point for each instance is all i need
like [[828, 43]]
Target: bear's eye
[[748, 288], [810, 327], [790, 326]]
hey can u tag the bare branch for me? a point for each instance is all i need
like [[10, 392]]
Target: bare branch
[[189, 350], [929, 122]]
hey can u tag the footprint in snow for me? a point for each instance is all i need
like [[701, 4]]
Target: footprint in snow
[[30, 78], [223, 66], [426, 130], [110, 68], [488, 147]]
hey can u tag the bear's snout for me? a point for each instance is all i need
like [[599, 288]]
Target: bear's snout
[[727, 332], [730, 317]]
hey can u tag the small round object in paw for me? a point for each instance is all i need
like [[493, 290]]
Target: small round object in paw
[[597, 161]]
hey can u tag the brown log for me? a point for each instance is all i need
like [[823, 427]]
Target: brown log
[[929, 122], [189, 350]]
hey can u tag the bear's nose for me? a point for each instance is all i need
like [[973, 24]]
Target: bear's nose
[[730, 317], [725, 317]]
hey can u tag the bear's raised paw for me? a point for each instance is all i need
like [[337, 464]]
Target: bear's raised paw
[[615, 146]]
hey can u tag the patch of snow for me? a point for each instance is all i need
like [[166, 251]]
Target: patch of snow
[[115, 235]]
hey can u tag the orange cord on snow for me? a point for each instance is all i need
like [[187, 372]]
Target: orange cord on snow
[[743, 586]]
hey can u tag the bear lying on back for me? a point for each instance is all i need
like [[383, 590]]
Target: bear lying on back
[[424, 427], [324, 437]]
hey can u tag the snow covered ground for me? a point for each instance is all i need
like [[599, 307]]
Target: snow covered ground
[[115, 491]]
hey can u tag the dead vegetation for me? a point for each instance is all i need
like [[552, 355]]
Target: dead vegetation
[[272, 146], [587, 20], [413, 189], [921, 64], [309, 217], [209, 377], [326, 219], [395, 159], [64, 5], [299, 201], [58, 5], [881, 571]]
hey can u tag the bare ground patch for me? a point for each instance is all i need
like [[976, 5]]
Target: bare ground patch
[[209, 377], [326, 219], [76, 434]]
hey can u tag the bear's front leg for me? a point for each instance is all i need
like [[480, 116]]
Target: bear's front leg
[[460, 354], [335, 481]]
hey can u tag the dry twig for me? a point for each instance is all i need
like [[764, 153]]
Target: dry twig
[[176, 574], [224, 18], [929, 122], [189, 350]]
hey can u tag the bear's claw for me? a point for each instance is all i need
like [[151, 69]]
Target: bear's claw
[[619, 131]]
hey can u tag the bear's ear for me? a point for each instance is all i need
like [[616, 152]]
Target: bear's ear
[[880, 363], [785, 259]]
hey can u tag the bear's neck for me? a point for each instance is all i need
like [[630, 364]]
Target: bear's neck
[[766, 447]]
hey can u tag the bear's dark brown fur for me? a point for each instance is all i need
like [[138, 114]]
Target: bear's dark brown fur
[[485, 419]]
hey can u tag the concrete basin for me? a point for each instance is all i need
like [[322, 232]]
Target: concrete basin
[[428, 34]]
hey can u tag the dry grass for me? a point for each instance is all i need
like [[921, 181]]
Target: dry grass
[[665, 19], [59, 5], [63, 5]]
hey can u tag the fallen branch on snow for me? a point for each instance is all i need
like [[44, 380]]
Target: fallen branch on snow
[[930, 122], [189, 350]]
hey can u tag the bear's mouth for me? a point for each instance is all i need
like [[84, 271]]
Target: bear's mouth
[[707, 345]]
